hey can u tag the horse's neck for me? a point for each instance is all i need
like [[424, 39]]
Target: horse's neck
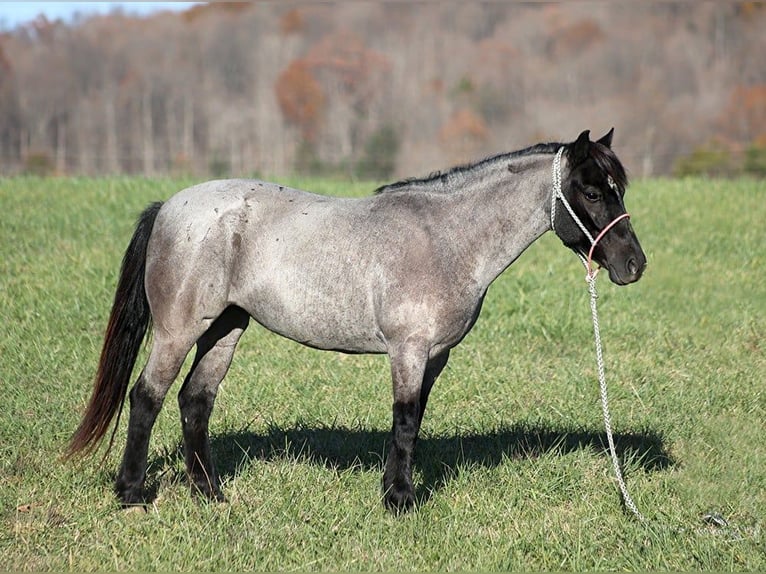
[[503, 211]]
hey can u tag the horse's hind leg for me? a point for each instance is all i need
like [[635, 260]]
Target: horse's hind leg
[[214, 353], [146, 397]]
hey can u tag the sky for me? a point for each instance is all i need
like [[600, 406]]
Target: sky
[[14, 13]]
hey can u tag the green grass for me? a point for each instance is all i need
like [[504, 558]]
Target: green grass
[[511, 471]]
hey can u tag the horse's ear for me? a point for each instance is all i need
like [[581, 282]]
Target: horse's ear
[[580, 148], [607, 139]]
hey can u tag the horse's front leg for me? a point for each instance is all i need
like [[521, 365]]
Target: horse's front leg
[[408, 365]]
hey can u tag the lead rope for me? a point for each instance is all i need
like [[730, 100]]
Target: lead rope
[[605, 401], [590, 277]]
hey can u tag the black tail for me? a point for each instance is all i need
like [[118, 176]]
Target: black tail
[[128, 323]]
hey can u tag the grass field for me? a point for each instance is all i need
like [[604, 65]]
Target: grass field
[[511, 471]]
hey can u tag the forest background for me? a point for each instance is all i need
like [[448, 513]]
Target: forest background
[[383, 89]]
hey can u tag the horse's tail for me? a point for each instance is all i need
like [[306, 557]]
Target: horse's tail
[[128, 323]]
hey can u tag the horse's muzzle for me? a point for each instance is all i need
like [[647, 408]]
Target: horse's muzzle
[[628, 272]]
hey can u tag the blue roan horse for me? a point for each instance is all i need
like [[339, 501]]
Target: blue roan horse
[[402, 272]]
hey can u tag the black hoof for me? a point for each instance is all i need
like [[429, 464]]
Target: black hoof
[[129, 496], [399, 500], [207, 491]]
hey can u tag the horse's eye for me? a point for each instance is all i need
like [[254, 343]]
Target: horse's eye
[[591, 195]]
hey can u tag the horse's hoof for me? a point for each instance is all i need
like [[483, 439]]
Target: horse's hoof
[[130, 497], [207, 492], [399, 501]]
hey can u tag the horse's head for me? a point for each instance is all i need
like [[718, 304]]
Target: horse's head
[[594, 185]]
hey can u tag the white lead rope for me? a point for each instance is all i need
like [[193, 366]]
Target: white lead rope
[[591, 279]]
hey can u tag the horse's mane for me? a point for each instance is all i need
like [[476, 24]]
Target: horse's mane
[[443, 177], [604, 157]]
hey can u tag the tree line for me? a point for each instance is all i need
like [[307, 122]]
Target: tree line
[[382, 89]]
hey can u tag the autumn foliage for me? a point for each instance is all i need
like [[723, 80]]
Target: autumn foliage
[[463, 134], [378, 88], [300, 98], [349, 60], [745, 115]]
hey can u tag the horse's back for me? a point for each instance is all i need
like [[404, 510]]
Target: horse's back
[[211, 201], [334, 273], [234, 210], [286, 256]]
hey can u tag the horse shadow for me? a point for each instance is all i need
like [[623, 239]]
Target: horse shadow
[[439, 458]]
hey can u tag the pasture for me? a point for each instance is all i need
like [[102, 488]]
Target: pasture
[[523, 482]]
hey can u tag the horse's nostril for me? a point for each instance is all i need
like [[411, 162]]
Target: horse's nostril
[[632, 266]]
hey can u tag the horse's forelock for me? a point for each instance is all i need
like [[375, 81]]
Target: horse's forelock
[[607, 161]]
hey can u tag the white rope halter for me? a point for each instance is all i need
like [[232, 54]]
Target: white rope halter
[[591, 279], [558, 194]]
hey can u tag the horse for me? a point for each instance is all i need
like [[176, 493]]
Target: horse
[[403, 271]]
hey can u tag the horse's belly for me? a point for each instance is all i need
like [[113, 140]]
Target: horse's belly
[[329, 335], [319, 317]]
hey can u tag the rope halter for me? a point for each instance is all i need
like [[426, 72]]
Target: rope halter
[[591, 279], [559, 194]]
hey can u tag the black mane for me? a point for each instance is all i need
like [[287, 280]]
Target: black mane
[[603, 156], [444, 176]]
